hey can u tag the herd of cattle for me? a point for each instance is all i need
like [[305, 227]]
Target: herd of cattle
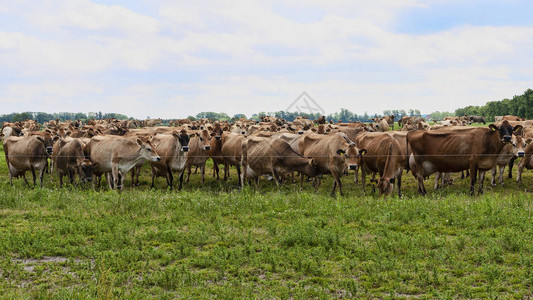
[[273, 148]]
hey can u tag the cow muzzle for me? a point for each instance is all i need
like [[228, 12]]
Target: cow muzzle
[[353, 167], [300, 132], [49, 150], [218, 138], [521, 154], [185, 148], [506, 138], [207, 147], [157, 158]]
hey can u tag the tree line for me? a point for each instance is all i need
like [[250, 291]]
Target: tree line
[[521, 106], [42, 117]]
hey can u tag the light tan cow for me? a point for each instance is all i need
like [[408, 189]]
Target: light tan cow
[[173, 150], [116, 156], [334, 154], [29, 153], [198, 153]]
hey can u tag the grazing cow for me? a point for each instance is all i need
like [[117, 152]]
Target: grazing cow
[[232, 153], [117, 155], [526, 162], [473, 149], [390, 120], [334, 154], [71, 160], [197, 156], [28, 153], [173, 150], [476, 119], [384, 155], [271, 156], [510, 151]]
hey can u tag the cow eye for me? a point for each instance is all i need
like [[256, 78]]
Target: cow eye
[[201, 139], [149, 149]]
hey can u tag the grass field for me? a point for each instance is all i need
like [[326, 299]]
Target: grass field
[[216, 240]]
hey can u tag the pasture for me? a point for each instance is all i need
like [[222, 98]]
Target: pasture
[[269, 242]]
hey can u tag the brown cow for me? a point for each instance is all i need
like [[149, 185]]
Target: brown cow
[[526, 162], [267, 156], [515, 149], [334, 154], [28, 153], [71, 160], [512, 118], [116, 156], [385, 156], [215, 151], [197, 156], [473, 149], [232, 153], [173, 150]]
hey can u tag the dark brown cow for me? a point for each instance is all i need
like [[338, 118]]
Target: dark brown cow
[[334, 154], [173, 150], [28, 154], [198, 153], [385, 156], [271, 156], [474, 149]]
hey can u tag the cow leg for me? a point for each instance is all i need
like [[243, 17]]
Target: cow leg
[[188, 173], [196, 170], [170, 179], [41, 176], [60, 179], [238, 167], [121, 180], [181, 180], [481, 179], [399, 183], [363, 179], [502, 170], [473, 177], [115, 174], [421, 188], [356, 179], [333, 190], [437, 179], [493, 175], [32, 169], [521, 165], [511, 164]]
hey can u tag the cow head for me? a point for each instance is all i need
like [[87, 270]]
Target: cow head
[[506, 130], [183, 139], [48, 141], [218, 131], [85, 169], [519, 145], [204, 138], [148, 151], [385, 186], [351, 156]]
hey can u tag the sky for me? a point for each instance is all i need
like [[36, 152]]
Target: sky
[[172, 59]]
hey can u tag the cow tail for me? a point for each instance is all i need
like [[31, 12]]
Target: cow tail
[[407, 168], [389, 154]]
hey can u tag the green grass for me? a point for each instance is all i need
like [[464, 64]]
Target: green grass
[[219, 241]]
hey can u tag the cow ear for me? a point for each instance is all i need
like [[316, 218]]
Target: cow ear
[[213, 133], [55, 138], [313, 129], [493, 127], [226, 128], [175, 134], [139, 142], [193, 135], [517, 128], [68, 133], [341, 152], [529, 140], [362, 152], [392, 180], [40, 139]]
